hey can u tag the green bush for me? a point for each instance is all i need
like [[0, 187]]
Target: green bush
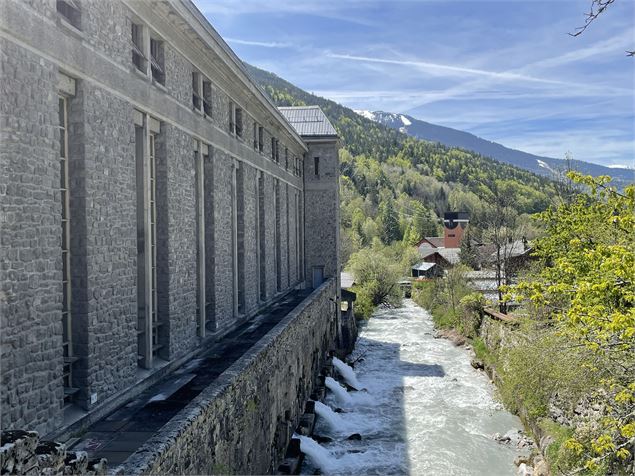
[[542, 365], [482, 352]]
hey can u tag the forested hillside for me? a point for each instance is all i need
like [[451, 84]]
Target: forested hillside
[[394, 186]]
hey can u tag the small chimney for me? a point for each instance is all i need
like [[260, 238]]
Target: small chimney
[[454, 225]]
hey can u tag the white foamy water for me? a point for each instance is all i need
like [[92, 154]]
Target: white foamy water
[[340, 392], [426, 412], [347, 373]]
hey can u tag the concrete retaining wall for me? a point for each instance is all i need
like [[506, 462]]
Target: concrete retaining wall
[[241, 423]]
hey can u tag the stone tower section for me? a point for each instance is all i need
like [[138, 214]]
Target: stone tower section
[[454, 225], [320, 170]]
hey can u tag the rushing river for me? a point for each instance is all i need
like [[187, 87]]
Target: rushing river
[[426, 411]]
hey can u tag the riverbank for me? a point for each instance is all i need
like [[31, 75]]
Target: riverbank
[[490, 339], [424, 409]]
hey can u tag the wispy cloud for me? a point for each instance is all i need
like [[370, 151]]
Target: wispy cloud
[[448, 69], [506, 70], [264, 44]]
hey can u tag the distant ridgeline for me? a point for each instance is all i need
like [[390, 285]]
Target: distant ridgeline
[[380, 163], [547, 166]]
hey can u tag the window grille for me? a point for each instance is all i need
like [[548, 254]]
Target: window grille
[[138, 57], [156, 61], [67, 328]]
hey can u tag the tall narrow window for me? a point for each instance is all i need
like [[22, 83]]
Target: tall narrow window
[[152, 206], [273, 149], [67, 330], [234, 217], [148, 322], [261, 237], [138, 56], [207, 97], [277, 151], [157, 60], [239, 121], [286, 158], [232, 120], [316, 166], [276, 200], [235, 119], [200, 153], [70, 11], [240, 237], [197, 99], [255, 135], [261, 138], [298, 264], [287, 234]]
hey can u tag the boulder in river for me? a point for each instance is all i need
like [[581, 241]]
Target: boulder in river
[[355, 436]]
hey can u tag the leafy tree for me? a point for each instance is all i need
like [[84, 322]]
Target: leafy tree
[[377, 277], [587, 282]]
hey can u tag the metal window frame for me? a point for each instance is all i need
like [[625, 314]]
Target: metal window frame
[[67, 315], [149, 328], [200, 152]]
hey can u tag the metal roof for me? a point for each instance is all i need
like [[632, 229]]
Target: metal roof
[[309, 121], [347, 279], [423, 266]]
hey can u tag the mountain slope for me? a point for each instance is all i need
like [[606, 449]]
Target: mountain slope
[[364, 136], [547, 166]]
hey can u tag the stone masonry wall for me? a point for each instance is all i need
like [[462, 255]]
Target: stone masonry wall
[[270, 243], [233, 425], [322, 209], [250, 242], [30, 242], [103, 201], [105, 323], [181, 239], [223, 272]]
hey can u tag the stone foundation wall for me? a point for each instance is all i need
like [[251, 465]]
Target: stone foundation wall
[[240, 423]]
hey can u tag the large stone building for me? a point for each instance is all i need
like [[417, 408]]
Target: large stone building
[[153, 199]]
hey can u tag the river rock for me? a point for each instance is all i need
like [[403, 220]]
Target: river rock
[[525, 470], [322, 439], [355, 436], [514, 438], [477, 364], [541, 468], [522, 459], [452, 335]]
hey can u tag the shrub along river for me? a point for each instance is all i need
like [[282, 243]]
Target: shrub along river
[[424, 410]]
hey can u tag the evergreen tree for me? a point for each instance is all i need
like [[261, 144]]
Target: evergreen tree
[[389, 221], [469, 254]]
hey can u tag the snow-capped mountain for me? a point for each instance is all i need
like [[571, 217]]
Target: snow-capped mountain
[[455, 138]]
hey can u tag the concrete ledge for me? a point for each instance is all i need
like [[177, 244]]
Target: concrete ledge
[[233, 425], [150, 377]]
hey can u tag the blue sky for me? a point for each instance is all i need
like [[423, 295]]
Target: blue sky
[[504, 70]]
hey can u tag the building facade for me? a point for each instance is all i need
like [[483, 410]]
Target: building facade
[[153, 199]]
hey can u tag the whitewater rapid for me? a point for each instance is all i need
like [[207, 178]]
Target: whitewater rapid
[[426, 411]]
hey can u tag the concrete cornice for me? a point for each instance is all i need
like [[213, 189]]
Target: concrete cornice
[[210, 37]]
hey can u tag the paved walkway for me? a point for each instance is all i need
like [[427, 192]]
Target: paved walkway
[[121, 433]]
